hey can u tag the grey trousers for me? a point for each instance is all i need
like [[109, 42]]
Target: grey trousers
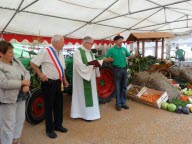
[[12, 117]]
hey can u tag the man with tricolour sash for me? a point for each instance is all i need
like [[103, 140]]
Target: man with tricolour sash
[[53, 80]]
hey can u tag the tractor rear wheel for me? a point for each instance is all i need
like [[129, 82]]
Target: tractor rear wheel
[[35, 110], [105, 83]]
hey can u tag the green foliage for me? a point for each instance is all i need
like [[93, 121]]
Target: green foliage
[[178, 102], [35, 80], [140, 63], [69, 69]]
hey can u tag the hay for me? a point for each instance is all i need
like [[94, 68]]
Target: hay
[[156, 81], [175, 72], [141, 78], [186, 75]]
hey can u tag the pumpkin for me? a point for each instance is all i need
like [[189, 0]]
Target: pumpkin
[[190, 109], [184, 98]]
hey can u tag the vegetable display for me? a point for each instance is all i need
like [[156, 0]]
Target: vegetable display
[[134, 91], [179, 102], [150, 97]]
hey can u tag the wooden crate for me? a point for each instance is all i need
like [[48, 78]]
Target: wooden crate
[[140, 90], [163, 97]]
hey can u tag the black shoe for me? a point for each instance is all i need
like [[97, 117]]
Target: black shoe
[[125, 107], [118, 108], [51, 134], [88, 120], [61, 129]]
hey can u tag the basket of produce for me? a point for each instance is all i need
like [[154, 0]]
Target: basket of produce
[[153, 97], [135, 91], [147, 96]]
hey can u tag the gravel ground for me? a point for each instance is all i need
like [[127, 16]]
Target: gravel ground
[[141, 124]]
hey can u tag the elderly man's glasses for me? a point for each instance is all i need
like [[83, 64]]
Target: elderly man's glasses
[[90, 43]]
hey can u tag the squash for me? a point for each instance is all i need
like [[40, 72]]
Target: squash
[[184, 98], [190, 109]]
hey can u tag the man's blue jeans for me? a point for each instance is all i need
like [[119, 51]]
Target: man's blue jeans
[[120, 81]]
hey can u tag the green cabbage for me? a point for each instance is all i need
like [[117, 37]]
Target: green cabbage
[[164, 105], [171, 107]]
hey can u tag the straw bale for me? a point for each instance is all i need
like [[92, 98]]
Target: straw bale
[[186, 75], [156, 81], [141, 78], [175, 72]]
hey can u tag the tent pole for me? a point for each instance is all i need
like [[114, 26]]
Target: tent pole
[[129, 7], [162, 50], [133, 25], [144, 19], [162, 23], [13, 16], [138, 45], [167, 24], [95, 23], [28, 5], [143, 48], [143, 10], [166, 7], [152, 26], [174, 28], [156, 48], [90, 22]]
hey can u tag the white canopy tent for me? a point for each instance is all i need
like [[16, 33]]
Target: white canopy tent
[[101, 19]]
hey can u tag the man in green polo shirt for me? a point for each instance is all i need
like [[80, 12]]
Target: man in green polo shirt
[[119, 55], [180, 54]]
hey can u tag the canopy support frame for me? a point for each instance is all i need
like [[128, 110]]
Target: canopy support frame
[[13, 16]]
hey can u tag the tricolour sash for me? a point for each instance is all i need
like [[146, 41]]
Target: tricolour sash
[[57, 64], [87, 84]]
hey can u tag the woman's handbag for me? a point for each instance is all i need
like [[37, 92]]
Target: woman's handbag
[[23, 96]]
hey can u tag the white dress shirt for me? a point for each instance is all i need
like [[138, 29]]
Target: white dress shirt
[[48, 67]]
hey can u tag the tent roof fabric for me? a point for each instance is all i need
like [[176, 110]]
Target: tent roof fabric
[[149, 36], [101, 19]]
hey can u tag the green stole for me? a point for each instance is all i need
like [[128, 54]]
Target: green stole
[[87, 84]]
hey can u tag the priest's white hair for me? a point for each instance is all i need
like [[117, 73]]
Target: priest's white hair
[[86, 39]]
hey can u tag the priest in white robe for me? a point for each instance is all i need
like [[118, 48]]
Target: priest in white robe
[[85, 103]]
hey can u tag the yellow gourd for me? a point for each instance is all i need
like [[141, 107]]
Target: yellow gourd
[[190, 109]]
